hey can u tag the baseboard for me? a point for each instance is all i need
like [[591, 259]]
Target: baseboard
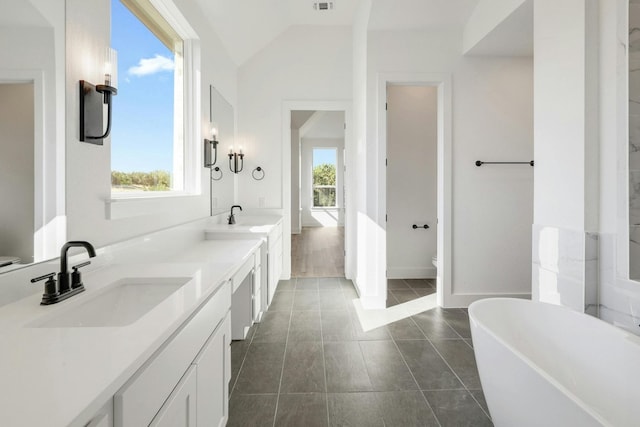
[[411, 273]]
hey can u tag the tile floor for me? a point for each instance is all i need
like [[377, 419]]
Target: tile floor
[[308, 363], [403, 290]]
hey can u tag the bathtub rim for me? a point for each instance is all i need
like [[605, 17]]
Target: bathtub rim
[[475, 323]]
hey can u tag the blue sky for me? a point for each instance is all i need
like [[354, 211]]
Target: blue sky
[[142, 129], [324, 155]]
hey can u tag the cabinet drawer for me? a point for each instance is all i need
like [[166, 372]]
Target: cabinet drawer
[[180, 408], [138, 401]]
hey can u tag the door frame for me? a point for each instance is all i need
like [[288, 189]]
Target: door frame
[[443, 83], [349, 229]]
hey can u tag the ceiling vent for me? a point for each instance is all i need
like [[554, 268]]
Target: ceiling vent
[[323, 5]]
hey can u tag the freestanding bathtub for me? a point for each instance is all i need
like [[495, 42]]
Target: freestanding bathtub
[[546, 365]]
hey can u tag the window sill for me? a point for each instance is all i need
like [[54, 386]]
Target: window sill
[[121, 206]]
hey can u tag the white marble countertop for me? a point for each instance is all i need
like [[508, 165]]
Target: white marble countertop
[[62, 376], [260, 225]]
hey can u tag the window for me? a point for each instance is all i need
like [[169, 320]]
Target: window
[[147, 139], [324, 177]]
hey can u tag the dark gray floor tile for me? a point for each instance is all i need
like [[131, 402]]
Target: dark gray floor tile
[[397, 284], [424, 292], [458, 320], [354, 410], [305, 326], [303, 368], [377, 409], [377, 334], [286, 285], [238, 352], [333, 300], [404, 295], [350, 293], [479, 396], [329, 284], [405, 408], [306, 300], [261, 370], [391, 300], [387, 371], [456, 408], [307, 284], [418, 283], [433, 325], [405, 329], [428, 368], [282, 301], [336, 326], [274, 327], [252, 410], [297, 410], [345, 367], [346, 283], [461, 359]]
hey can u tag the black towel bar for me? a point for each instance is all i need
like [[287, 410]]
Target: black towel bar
[[480, 163]]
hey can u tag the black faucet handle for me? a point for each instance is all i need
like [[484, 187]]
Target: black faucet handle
[[76, 277], [50, 289]]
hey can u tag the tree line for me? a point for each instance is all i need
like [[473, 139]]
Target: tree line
[[157, 180]]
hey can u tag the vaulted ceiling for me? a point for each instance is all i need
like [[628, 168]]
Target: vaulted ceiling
[[247, 26]]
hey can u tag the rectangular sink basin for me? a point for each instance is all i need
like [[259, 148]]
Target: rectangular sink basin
[[121, 304]]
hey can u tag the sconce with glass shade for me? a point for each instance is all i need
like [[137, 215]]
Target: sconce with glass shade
[[92, 100], [234, 165]]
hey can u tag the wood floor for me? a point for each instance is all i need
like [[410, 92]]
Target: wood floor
[[318, 252]]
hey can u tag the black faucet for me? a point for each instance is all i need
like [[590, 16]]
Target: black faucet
[[64, 290], [232, 218]]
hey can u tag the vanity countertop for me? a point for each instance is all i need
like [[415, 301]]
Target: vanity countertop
[[60, 376], [259, 225]]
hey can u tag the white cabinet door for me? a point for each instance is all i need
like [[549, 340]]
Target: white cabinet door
[[180, 408], [213, 366]]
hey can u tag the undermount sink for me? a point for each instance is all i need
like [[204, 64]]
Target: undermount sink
[[122, 303]]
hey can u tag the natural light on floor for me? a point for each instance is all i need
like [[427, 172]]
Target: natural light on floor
[[372, 319]]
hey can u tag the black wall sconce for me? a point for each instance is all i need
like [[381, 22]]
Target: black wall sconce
[[233, 160], [211, 149], [92, 100]]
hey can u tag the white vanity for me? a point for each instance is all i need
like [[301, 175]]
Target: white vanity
[[268, 228], [147, 343]]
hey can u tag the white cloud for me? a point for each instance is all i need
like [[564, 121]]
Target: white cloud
[[148, 66]]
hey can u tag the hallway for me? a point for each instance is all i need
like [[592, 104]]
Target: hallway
[[309, 363], [318, 252]]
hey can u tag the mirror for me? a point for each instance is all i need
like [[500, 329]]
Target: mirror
[[634, 140], [221, 116], [32, 99]]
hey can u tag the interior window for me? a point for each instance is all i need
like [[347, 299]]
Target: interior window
[[324, 177], [147, 138]]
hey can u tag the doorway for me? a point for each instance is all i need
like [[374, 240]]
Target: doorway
[[317, 193], [17, 123], [412, 178]]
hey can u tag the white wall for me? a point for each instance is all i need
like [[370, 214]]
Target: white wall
[[16, 170], [296, 226], [321, 217], [492, 120], [411, 180], [88, 171], [302, 64], [566, 152]]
